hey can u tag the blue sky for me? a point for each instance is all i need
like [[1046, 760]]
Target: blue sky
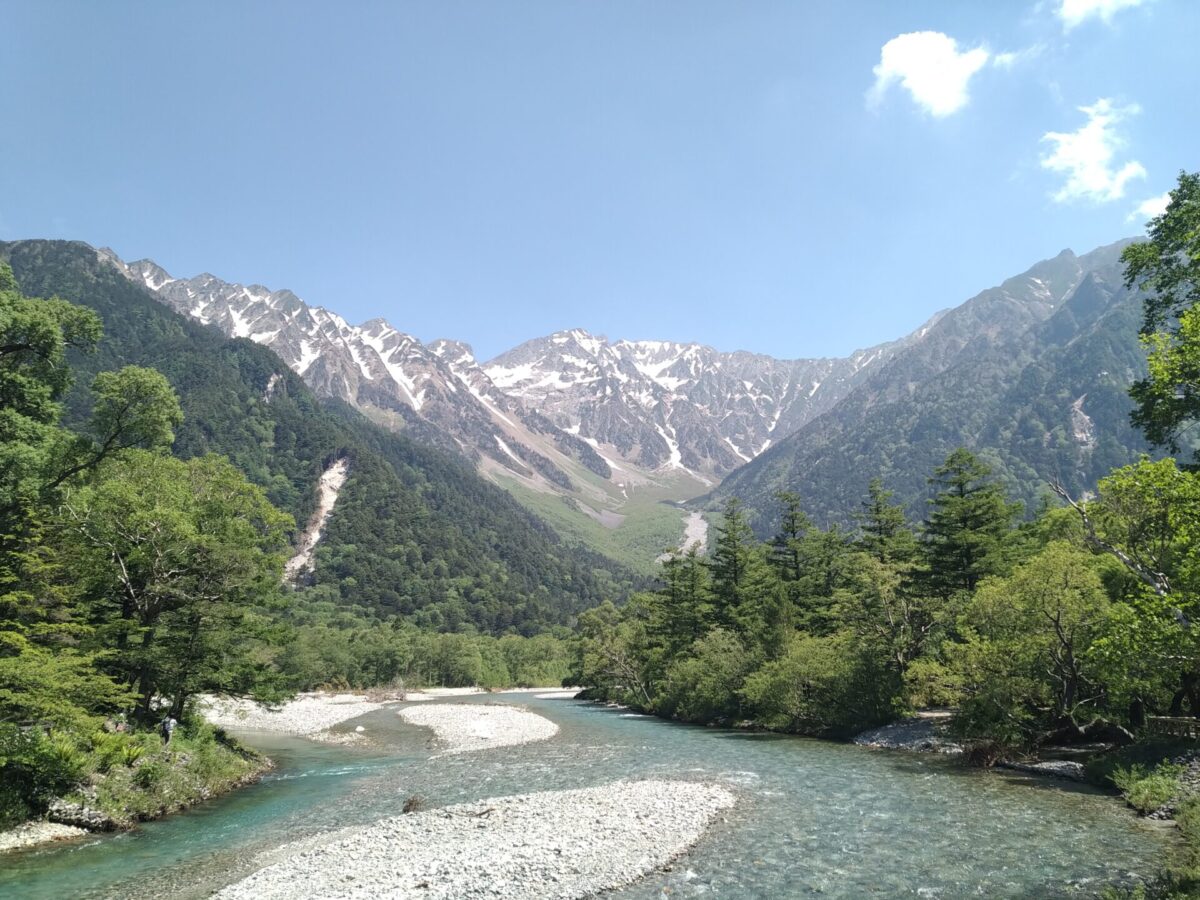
[[798, 179]]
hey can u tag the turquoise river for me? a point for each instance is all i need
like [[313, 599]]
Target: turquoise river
[[813, 818]]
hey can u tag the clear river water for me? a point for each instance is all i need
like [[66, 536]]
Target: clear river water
[[813, 818]]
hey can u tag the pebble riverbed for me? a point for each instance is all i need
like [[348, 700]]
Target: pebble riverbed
[[552, 845], [306, 715], [464, 728]]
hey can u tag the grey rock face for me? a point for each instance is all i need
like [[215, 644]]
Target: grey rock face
[[658, 405], [387, 373], [79, 816], [672, 405]]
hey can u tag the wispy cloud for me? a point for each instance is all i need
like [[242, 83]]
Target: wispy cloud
[[1087, 156], [930, 67], [1149, 208], [1076, 12], [1010, 58]]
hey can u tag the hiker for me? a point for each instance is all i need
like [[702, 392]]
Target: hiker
[[168, 728]]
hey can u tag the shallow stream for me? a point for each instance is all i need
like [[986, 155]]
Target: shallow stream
[[813, 818]]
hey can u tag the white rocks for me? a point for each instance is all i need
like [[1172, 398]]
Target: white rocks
[[33, 833], [559, 695], [306, 715], [464, 727], [922, 733], [551, 845]]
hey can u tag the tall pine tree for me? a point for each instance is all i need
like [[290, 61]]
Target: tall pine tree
[[970, 522]]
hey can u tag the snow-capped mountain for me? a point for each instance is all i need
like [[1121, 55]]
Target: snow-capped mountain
[[598, 421], [390, 375], [671, 405], [544, 408]]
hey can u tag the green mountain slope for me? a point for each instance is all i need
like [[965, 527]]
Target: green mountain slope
[[415, 531], [1032, 375]]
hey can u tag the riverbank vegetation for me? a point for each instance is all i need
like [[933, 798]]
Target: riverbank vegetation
[[132, 581], [1074, 625]]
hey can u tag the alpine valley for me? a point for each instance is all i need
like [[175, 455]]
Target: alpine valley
[[607, 439]]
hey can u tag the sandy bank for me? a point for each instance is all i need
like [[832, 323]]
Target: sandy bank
[[32, 833], [305, 715], [465, 727], [553, 845]]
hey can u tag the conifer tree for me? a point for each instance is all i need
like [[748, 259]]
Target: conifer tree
[[745, 598], [968, 526], [794, 524], [682, 602], [885, 535]]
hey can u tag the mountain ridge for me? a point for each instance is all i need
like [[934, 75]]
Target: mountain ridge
[[594, 421]]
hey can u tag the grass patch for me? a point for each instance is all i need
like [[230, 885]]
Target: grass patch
[[146, 779], [1147, 789], [1147, 754], [651, 524]]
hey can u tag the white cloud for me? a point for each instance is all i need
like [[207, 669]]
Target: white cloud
[[1011, 58], [1075, 12], [1086, 156], [930, 67], [1149, 208]]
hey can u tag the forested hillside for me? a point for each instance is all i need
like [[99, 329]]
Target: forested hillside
[[416, 532], [1033, 376]]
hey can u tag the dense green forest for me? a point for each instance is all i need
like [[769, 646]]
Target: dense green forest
[[1037, 390], [133, 578], [1070, 625], [417, 533]]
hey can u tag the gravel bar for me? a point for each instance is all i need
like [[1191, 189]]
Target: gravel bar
[[466, 727], [545, 846], [306, 715], [33, 833]]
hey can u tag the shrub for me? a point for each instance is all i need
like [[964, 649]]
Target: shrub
[[705, 687], [150, 773], [13, 808], [1147, 789], [821, 685]]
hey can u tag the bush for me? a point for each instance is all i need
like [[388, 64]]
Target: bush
[[1147, 789], [705, 686], [149, 774], [36, 767], [13, 808], [115, 749], [821, 685]]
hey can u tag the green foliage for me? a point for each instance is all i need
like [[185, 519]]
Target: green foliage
[[1024, 658], [35, 767], [1167, 267], [821, 685], [57, 686], [34, 338], [704, 685], [1147, 789], [183, 560], [811, 632], [1147, 517], [967, 533]]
